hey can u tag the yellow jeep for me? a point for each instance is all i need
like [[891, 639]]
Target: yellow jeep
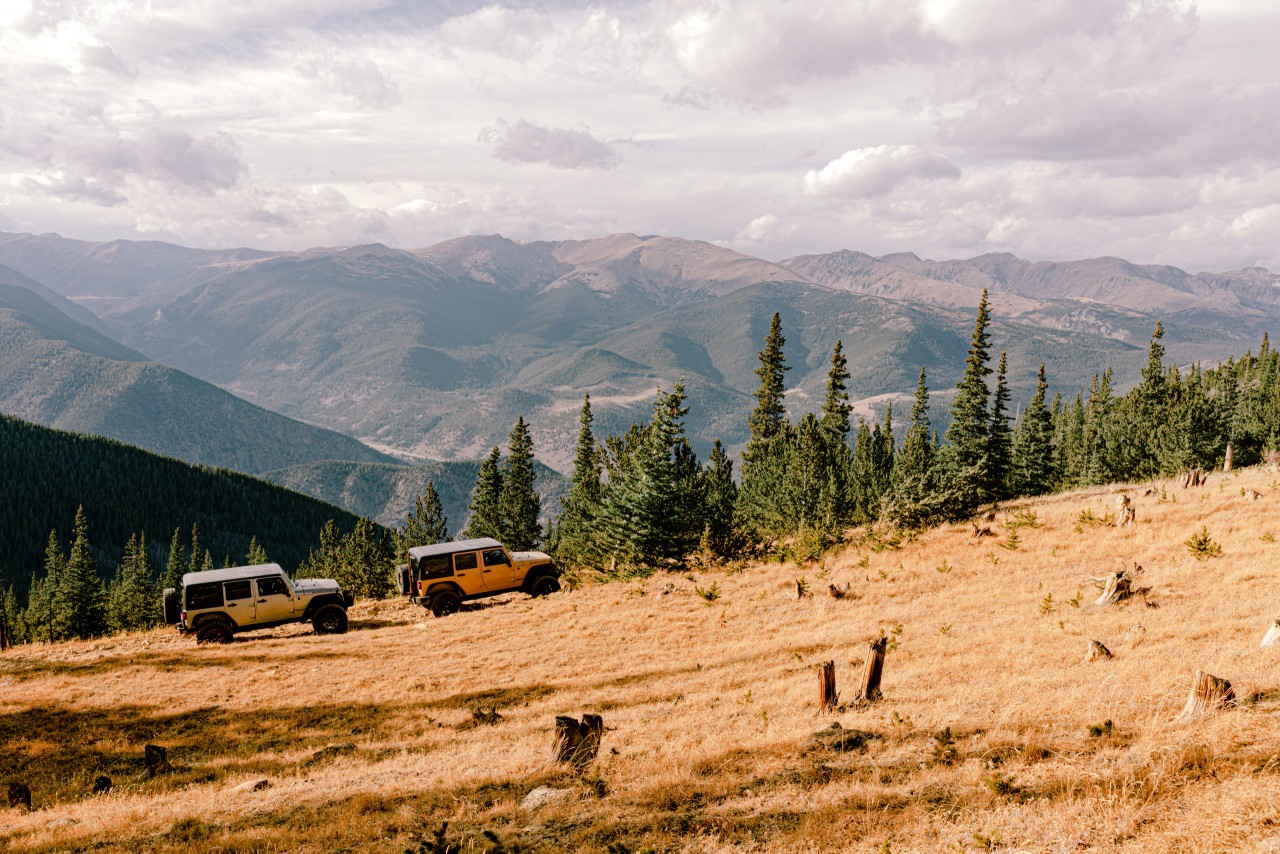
[[442, 576]]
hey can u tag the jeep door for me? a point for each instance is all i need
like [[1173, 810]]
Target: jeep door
[[274, 601], [498, 572], [239, 601], [466, 569]]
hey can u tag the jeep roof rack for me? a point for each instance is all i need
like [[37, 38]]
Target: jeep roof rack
[[419, 552]]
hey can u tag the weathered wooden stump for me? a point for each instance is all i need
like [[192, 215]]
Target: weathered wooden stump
[[1098, 652], [157, 760], [1125, 511], [102, 785], [1116, 587], [827, 696], [1229, 459], [19, 796], [1195, 477], [840, 591], [1208, 694], [872, 670], [979, 533], [1272, 637], [482, 718], [1252, 495], [578, 743]]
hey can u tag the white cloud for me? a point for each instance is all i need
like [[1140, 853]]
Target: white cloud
[[876, 171]]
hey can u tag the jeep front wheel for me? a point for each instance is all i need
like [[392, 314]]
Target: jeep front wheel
[[445, 602], [217, 632], [329, 620], [544, 585]]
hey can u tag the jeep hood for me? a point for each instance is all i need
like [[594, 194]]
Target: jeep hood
[[530, 557], [311, 586]]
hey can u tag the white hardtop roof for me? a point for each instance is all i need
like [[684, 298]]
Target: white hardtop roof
[[230, 573], [419, 552]]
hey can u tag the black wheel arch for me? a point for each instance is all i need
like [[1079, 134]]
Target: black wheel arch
[[541, 570], [215, 617], [320, 601]]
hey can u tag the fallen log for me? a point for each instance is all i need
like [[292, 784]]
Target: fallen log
[[578, 743], [872, 670], [1208, 694], [827, 696]]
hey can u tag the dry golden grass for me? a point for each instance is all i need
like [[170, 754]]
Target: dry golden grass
[[709, 707]]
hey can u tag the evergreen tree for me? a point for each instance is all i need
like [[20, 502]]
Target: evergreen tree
[[256, 555], [207, 564], [916, 457], [1033, 472], [366, 561], [808, 499], [80, 602], [720, 494], [573, 533], [964, 458], [425, 525], [133, 602], [1000, 437], [326, 561], [835, 406], [196, 563], [762, 498], [486, 500], [176, 566], [41, 617], [520, 504]]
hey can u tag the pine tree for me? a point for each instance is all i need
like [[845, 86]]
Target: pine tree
[[916, 457], [835, 406], [762, 497], [132, 599], [207, 564], [964, 459], [572, 537], [720, 494], [486, 500], [520, 504], [1033, 472], [80, 602], [426, 524], [326, 561], [256, 555], [41, 615], [176, 566], [808, 478], [196, 563], [1000, 437], [366, 561]]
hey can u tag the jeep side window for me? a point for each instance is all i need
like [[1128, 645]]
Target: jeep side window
[[437, 566], [272, 585], [496, 557], [465, 560], [236, 590], [201, 596]]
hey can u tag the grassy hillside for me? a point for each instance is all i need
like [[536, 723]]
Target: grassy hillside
[[386, 493], [61, 373], [46, 474], [710, 707]]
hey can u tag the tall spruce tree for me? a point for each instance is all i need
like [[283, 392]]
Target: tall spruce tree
[[256, 555], [132, 599], [366, 561], [572, 536], [42, 619], [835, 405], [1000, 436], [486, 499], [197, 556], [520, 504], [964, 459], [176, 565], [81, 599], [1033, 470], [916, 456], [720, 494], [762, 498], [426, 524]]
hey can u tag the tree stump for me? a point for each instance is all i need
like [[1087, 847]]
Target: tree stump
[[1098, 652], [827, 696], [1115, 588], [19, 796], [872, 670], [102, 785], [1208, 694], [157, 760], [578, 743], [840, 591], [1125, 510], [980, 532], [1272, 637], [1229, 459], [1252, 495]]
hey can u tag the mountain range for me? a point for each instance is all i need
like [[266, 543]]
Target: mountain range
[[433, 353]]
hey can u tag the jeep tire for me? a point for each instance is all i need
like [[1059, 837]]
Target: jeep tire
[[329, 620], [445, 602], [544, 585], [214, 631]]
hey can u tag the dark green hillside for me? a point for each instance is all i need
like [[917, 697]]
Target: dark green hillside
[[60, 373], [386, 493], [45, 474]]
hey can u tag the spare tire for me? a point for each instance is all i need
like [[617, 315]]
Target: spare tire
[[172, 606]]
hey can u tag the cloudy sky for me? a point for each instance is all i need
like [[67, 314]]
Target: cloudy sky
[[1053, 129]]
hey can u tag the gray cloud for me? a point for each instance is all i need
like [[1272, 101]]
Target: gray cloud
[[563, 148], [359, 79], [103, 57], [175, 157]]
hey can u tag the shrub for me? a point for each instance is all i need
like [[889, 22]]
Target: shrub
[[1201, 545]]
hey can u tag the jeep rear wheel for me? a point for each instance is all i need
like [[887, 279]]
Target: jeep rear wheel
[[545, 585], [329, 620], [445, 602], [215, 632]]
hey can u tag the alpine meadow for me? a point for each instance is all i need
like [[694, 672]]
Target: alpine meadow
[[497, 427]]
